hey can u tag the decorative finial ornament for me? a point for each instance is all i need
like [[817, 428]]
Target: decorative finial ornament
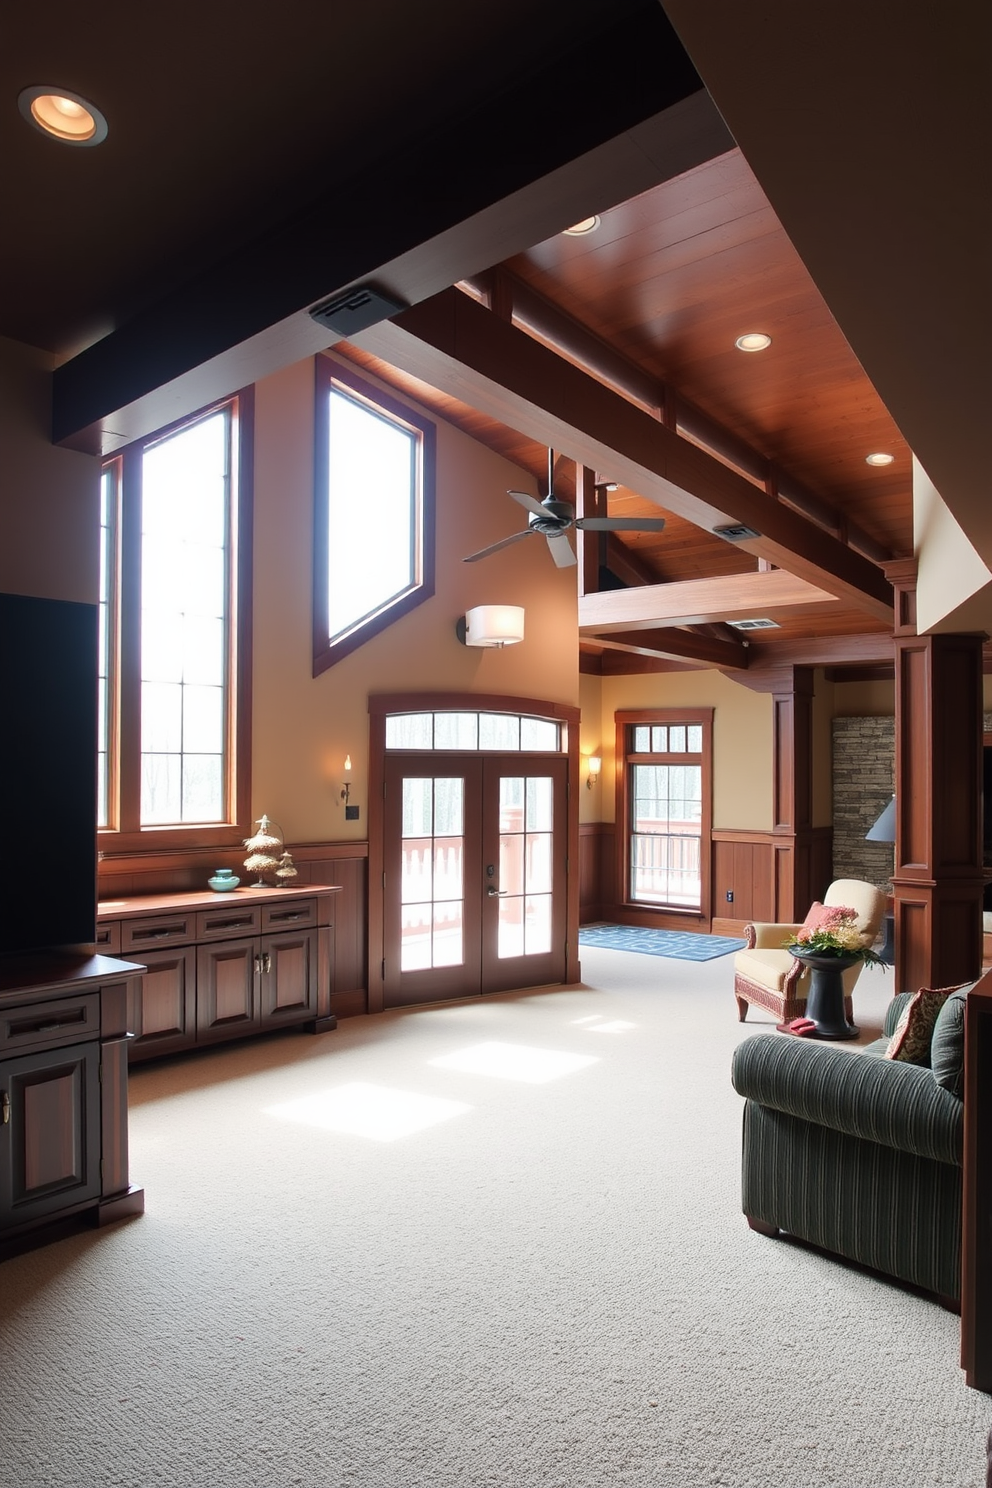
[[263, 856]]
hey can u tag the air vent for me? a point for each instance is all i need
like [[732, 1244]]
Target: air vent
[[736, 532], [355, 310], [754, 624]]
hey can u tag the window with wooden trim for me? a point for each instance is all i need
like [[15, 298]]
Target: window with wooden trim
[[664, 802], [175, 607], [373, 512]]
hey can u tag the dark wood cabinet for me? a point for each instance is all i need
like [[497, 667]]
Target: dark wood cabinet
[[163, 1002], [225, 966], [63, 1091]]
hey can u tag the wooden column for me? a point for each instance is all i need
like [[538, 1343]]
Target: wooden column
[[938, 880], [793, 886], [590, 501]]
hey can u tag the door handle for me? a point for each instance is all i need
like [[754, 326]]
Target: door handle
[[497, 893]]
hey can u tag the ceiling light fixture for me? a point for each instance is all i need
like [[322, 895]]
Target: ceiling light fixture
[[579, 229], [753, 341], [62, 115], [879, 459]]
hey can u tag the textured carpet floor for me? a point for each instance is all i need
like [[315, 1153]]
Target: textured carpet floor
[[676, 944], [491, 1245]]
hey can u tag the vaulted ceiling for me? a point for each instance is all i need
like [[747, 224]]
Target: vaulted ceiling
[[252, 170]]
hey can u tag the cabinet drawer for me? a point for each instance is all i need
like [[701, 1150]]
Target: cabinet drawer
[[224, 924], [157, 930], [294, 915], [108, 938], [67, 1020]]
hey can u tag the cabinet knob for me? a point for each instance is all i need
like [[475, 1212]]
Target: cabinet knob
[[4, 1109]]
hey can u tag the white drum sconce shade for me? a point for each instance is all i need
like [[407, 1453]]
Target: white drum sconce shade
[[491, 625]]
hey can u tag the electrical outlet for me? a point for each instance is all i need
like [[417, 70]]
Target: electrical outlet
[[730, 896], [351, 813]]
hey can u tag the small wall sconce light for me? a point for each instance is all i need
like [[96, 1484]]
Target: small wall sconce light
[[346, 787], [491, 625], [595, 765]]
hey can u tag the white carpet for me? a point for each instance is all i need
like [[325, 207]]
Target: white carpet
[[491, 1245]]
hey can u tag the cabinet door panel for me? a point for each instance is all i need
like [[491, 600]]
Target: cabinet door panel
[[164, 1014], [289, 979], [226, 996], [50, 1153]]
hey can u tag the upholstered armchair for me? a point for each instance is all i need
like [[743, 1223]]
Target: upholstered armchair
[[768, 976]]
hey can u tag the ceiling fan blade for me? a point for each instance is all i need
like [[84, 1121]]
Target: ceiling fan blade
[[561, 551], [495, 547], [528, 502], [621, 524]]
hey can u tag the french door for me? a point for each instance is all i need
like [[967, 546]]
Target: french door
[[474, 881]]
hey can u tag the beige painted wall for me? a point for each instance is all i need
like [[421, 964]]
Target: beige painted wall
[[864, 699], [304, 726], [742, 739], [49, 499], [592, 740]]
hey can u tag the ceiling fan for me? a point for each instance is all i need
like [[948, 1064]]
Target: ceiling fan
[[552, 519]]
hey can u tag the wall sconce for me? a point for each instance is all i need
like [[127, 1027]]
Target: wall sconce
[[346, 787], [595, 765], [491, 625]]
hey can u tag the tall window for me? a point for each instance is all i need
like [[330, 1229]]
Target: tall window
[[373, 512], [175, 609], [665, 798]]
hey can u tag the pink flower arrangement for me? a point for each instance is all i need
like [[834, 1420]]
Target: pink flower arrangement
[[831, 930]]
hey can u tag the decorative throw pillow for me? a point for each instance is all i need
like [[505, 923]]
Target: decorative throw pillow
[[825, 916], [911, 1040], [947, 1044]]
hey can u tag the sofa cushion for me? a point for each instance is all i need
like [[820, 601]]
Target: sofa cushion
[[911, 1040], [947, 1044]]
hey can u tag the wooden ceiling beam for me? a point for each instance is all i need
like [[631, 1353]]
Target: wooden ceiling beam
[[700, 601], [457, 345], [670, 644], [514, 300], [873, 648]]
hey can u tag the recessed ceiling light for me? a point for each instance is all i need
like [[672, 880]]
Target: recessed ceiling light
[[753, 341], [62, 115], [587, 225], [879, 459]]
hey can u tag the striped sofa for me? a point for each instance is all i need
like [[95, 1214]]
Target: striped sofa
[[855, 1153]]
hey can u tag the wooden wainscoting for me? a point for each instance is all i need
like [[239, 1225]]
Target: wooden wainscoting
[[597, 871], [760, 869], [126, 875]]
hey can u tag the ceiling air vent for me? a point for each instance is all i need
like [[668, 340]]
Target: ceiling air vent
[[355, 310], [736, 532], [754, 624]]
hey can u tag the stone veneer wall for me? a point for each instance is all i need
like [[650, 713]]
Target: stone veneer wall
[[864, 772]]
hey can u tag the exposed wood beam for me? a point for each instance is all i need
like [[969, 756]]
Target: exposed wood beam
[[437, 207], [839, 650], [513, 299], [670, 644], [698, 601], [457, 345]]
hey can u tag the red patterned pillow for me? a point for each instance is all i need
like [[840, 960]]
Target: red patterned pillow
[[827, 916], [911, 1040]]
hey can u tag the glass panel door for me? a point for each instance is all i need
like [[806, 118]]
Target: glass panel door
[[524, 835]]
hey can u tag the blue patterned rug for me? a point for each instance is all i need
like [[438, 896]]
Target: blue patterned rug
[[673, 943]]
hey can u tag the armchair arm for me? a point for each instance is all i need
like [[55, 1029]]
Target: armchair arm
[[880, 1100], [769, 936]]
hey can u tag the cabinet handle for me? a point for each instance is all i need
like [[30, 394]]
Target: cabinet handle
[[4, 1109], [160, 934], [266, 962], [43, 1025], [289, 914], [258, 963], [229, 924]]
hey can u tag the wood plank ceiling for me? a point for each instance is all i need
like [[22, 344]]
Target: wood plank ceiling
[[664, 286]]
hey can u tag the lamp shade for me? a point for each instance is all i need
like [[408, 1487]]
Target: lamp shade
[[884, 829], [494, 625]]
